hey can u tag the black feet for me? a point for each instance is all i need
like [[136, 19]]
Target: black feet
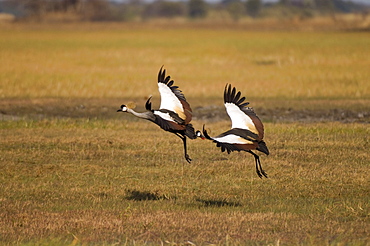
[[261, 173], [259, 169], [187, 158]]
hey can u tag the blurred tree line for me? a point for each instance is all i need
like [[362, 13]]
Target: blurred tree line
[[126, 10]]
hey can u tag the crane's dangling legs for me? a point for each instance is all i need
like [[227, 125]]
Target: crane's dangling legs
[[183, 138], [259, 169]]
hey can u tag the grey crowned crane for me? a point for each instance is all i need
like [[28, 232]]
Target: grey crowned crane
[[246, 133], [174, 113]]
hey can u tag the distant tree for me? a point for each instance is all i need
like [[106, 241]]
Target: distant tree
[[172, 9], [284, 2], [309, 3], [325, 5], [69, 4], [236, 9], [166, 9], [253, 7], [197, 8], [97, 10], [130, 10], [346, 6], [227, 2], [35, 8]]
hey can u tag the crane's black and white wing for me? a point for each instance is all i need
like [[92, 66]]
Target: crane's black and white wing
[[172, 100], [234, 140], [241, 116], [166, 119]]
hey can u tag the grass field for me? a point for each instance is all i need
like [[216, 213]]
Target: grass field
[[92, 61], [74, 172]]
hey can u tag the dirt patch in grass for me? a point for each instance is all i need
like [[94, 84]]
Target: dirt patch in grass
[[272, 110]]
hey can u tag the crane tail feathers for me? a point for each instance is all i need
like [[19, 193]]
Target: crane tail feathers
[[190, 132], [263, 147]]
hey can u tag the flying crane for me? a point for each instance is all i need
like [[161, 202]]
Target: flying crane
[[174, 113]]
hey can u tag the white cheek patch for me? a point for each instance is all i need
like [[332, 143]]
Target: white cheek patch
[[164, 116], [232, 139]]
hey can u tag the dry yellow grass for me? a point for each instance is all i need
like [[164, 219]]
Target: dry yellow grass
[[73, 173], [96, 61], [65, 180]]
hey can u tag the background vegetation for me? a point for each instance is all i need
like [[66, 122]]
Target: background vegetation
[[75, 172], [139, 10]]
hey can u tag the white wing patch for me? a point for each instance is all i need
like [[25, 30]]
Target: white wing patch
[[169, 101], [239, 119], [233, 139], [165, 116]]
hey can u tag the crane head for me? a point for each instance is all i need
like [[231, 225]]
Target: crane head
[[123, 108], [199, 135]]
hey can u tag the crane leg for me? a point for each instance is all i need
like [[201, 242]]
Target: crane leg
[[183, 138], [185, 151], [260, 172], [260, 168]]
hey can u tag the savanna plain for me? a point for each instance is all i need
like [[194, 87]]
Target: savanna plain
[[73, 171]]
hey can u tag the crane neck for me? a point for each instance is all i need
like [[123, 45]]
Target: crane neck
[[148, 115]]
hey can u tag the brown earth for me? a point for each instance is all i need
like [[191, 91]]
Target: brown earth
[[346, 111]]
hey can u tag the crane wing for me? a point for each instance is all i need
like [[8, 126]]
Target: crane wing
[[241, 116], [234, 140], [172, 98]]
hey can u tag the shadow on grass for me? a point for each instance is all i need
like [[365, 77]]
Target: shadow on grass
[[136, 195], [218, 203]]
